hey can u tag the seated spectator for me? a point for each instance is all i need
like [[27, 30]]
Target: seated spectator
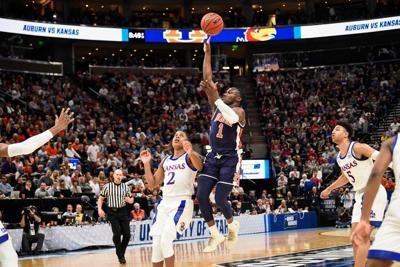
[[54, 190], [237, 209], [290, 199], [20, 183], [69, 215], [28, 191], [344, 217], [80, 216], [84, 185], [347, 199], [308, 185], [252, 197], [137, 213], [5, 187], [54, 222], [66, 178], [71, 153], [30, 223], [94, 184], [42, 192], [282, 208], [316, 180], [260, 207], [264, 196], [301, 188], [75, 189], [294, 207], [47, 178], [282, 183]]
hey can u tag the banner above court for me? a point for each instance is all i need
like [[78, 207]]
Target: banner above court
[[187, 36]]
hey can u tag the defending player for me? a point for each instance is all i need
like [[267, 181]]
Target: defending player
[[386, 247], [223, 162], [175, 211], [356, 163], [8, 256]]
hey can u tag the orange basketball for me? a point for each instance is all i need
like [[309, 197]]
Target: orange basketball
[[212, 23]]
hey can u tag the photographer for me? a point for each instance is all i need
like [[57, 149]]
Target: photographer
[[30, 222]]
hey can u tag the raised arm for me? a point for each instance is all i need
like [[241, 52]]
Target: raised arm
[[194, 158], [158, 177], [207, 68], [33, 143]]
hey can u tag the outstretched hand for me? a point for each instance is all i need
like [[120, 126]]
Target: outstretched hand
[[207, 46], [66, 117], [211, 89], [187, 146], [145, 156]]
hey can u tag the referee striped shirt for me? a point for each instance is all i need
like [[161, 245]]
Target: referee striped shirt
[[115, 194]]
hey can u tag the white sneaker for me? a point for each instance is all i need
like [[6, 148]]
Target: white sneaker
[[233, 233], [213, 243]]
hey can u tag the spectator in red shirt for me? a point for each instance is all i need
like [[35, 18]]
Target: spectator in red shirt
[[316, 180], [138, 214]]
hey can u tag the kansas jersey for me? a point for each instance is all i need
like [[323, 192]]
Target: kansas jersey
[[3, 233], [356, 170], [396, 161], [224, 137], [179, 177]]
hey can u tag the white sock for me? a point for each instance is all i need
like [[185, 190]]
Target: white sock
[[231, 226], [213, 229]]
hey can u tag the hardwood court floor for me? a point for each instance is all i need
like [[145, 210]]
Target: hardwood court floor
[[189, 253]]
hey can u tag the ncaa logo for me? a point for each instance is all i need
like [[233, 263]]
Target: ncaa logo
[[176, 36]]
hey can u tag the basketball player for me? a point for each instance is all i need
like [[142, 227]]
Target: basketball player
[[223, 162], [386, 247], [175, 211], [356, 163], [8, 256]]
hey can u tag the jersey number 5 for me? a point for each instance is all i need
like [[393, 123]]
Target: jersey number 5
[[171, 179], [353, 180], [220, 128]]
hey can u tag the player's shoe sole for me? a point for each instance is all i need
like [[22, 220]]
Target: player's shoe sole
[[213, 243]]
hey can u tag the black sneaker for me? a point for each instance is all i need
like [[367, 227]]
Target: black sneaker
[[122, 260]]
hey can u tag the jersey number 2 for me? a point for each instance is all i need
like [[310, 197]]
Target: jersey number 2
[[171, 179], [220, 128], [353, 180]]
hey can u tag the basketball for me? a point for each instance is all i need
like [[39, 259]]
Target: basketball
[[212, 24]]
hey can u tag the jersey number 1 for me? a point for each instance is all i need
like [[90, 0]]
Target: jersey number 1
[[220, 128]]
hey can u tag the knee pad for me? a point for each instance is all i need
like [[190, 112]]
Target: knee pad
[[156, 255], [167, 246]]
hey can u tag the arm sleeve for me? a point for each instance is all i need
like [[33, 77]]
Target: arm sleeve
[[29, 145], [227, 112]]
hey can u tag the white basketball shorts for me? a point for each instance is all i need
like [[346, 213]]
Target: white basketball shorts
[[173, 214], [378, 207], [387, 239]]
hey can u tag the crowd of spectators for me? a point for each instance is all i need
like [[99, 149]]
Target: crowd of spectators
[[300, 108], [128, 114]]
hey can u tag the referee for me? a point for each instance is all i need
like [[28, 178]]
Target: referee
[[117, 195]]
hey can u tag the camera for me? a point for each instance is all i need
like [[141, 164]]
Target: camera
[[27, 210]]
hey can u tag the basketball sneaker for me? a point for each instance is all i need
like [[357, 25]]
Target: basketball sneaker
[[214, 242], [233, 232]]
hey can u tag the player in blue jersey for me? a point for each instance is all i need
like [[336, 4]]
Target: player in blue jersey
[[222, 164], [8, 256]]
